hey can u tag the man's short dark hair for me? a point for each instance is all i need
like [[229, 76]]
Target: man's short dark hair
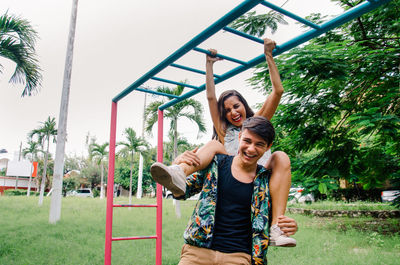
[[260, 126]]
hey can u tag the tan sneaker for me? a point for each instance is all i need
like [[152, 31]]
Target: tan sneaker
[[278, 239], [172, 177]]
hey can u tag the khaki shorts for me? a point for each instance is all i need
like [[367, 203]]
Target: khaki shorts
[[192, 255]]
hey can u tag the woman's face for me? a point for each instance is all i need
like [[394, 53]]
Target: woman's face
[[235, 111]]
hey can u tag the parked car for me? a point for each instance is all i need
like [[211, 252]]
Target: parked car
[[296, 196], [84, 192], [389, 195]]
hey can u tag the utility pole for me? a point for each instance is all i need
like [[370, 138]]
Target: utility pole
[[55, 206]]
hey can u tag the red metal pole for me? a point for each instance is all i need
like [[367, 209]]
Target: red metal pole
[[110, 185], [159, 191]]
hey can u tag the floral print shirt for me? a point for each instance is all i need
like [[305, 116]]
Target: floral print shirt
[[199, 231]]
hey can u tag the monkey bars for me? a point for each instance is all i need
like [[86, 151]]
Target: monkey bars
[[221, 24]]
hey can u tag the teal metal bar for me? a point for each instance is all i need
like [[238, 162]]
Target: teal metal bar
[[335, 22], [190, 69], [156, 92], [208, 32], [244, 35], [173, 82], [289, 14], [220, 56]]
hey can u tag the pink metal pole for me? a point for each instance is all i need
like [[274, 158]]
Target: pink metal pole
[[159, 191], [110, 185]]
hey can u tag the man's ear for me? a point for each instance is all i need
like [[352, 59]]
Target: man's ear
[[240, 134]]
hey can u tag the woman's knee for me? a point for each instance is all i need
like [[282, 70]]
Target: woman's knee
[[280, 159]]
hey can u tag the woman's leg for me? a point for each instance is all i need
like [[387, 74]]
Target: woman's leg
[[174, 177], [279, 186], [279, 183], [206, 154]]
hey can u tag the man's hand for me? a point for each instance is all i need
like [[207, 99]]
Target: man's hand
[[188, 157], [287, 225]]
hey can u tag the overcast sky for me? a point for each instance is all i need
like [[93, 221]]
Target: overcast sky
[[117, 42]]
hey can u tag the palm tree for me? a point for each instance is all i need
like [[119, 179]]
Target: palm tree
[[44, 133], [17, 43], [173, 113], [100, 153], [32, 150], [168, 147], [55, 205], [131, 146]]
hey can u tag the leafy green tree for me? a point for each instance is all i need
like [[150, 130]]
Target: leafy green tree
[[100, 154], [257, 24], [44, 133], [73, 174], [339, 116], [17, 43], [182, 145], [91, 174], [123, 168], [132, 145]]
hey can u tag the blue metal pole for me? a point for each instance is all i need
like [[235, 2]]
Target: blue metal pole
[[335, 22], [211, 30]]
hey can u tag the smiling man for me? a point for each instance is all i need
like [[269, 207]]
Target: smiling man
[[230, 222]]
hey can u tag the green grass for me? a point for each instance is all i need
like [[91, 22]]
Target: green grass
[[334, 205], [26, 237]]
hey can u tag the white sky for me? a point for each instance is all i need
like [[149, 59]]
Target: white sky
[[116, 42]]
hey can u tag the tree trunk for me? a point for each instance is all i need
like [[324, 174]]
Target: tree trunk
[[30, 180], [43, 182], [55, 206], [102, 181], [140, 178], [176, 202], [130, 181]]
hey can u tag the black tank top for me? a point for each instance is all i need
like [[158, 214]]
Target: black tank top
[[232, 230]]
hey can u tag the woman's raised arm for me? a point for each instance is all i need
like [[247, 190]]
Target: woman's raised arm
[[271, 103]]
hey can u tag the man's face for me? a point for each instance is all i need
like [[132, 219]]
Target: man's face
[[251, 147]]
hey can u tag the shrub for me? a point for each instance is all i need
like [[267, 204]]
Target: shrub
[[373, 195], [17, 192]]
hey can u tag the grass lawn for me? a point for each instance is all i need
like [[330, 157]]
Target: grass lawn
[[26, 237]]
